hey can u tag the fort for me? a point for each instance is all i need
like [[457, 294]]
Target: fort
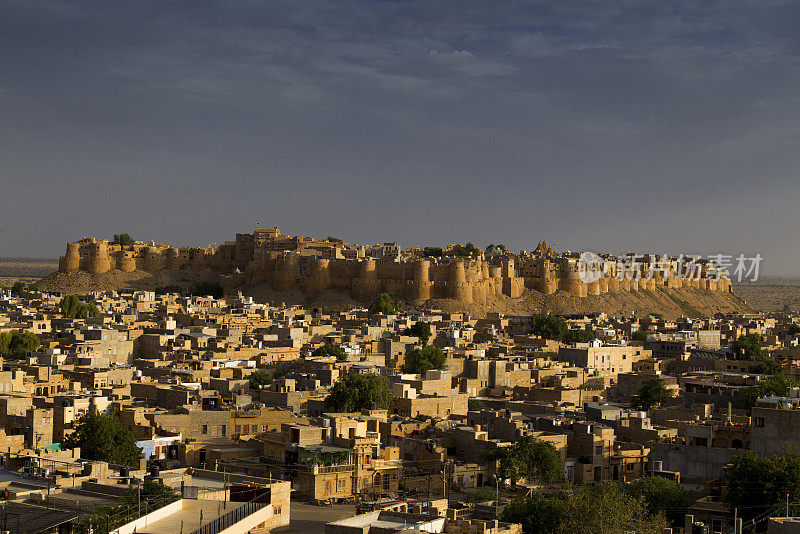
[[316, 266]]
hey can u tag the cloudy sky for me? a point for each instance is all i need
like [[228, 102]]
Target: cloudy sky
[[669, 126]]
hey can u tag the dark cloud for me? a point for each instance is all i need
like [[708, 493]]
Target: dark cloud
[[658, 126]]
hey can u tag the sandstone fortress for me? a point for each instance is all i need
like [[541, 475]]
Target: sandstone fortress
[[284, 262]]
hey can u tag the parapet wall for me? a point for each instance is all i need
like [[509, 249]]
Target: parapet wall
[[468, 281]]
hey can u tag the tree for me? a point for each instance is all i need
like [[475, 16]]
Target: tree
[[153, 492], [549, 326], [528, 458], [259, 378], [357, 392], [476, 405], [122, 239], [660, 495], [330, 350], [502, 248], [481, 494], [102, 437], [758, 485], [420, 361], [603, 507], [776, 385], [334, 239], [606, 508], [204, 289], [432, 252], [17, 345], [73, 308], [465, 251], [577, 336], [420, 330], [168, 289], [537, 513], [766, 366], [18, 288], [747, 347], [639, 335], [382, 304], [653, 393]]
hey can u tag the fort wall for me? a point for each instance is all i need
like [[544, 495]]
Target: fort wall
[[286, 263]]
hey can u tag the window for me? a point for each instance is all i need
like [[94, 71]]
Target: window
[[758, 422], [204, 429], [255, 429], [277, 510], [238, 429], [629, 467], [223, 429], [598, 449], [264, 428]]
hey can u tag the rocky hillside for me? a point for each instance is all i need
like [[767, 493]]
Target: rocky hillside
[[671, 303]]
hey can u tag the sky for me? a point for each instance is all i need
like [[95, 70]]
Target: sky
[[666, 127]]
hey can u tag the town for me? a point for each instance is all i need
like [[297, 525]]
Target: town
[[201, 410]]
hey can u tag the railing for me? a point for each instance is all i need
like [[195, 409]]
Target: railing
[[231, 518]]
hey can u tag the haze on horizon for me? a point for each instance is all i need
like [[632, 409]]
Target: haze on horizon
[[660, 127]]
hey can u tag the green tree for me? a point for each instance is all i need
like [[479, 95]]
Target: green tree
[[476, 405], [432, 252], [102, 437], [18, 288], [776, 385], [356, 392], [330, 350], [204, 289], [73, 308], [577, 336], [660, 495], [765, 366], [549, 326], [747, 347], [168, 289], [420, 361], [334, 239], [152, 492], [420, 330], [465, 251], [17, 345], [528, 458], [537, 513], [758, 485], [259, 378], [639, 335], [122, 239], [653, 393], [481, 494], [606, 508], [382, 304]]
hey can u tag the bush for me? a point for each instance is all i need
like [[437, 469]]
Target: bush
[[432, 252]]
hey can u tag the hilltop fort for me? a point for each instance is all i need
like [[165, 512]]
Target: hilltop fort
[[315, 266]]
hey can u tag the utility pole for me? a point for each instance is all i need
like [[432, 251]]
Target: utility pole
[[787, 504], [735, 521], [497, 496]]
